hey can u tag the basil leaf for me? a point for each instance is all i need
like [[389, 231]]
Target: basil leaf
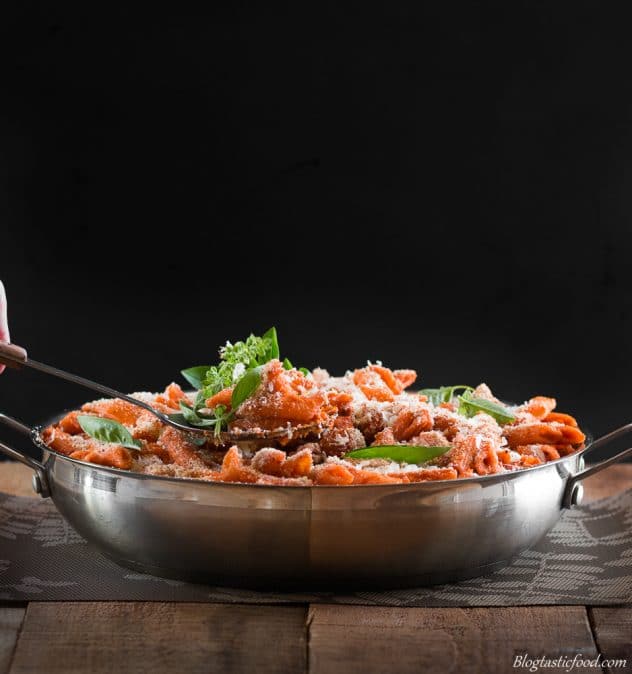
[[245, 387], [434, 395], [178, 418], [192, 418], [443, 394], [399, 453], [200, 400], [198, 440], [451, 389], [287, 365], [107, 430], [195, 375], [469, 406], [273, 350]]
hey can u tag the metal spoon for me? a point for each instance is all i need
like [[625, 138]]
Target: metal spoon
[[15, 356]]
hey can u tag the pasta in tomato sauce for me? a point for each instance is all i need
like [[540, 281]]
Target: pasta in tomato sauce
[[365, 422]]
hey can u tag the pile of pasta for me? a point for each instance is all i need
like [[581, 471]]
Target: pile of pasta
[[366, 407]]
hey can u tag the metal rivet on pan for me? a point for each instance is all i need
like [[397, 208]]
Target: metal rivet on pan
[[36, 483], [577, 494]]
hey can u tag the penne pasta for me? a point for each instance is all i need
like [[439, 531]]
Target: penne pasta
[[451, 432]]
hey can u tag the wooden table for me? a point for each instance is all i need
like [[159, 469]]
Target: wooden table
[[50, 637]]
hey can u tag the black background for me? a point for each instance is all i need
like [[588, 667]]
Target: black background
[[443, 187]]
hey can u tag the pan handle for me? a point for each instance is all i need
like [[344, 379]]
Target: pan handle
[[15, 354], [574, 489], [16, 357], [40, 481]]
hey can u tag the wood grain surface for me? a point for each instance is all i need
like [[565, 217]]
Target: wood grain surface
[[443, 640], [152, 637], [10, 622], [612, 627]]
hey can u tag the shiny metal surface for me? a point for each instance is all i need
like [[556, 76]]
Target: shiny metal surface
[[392, 535], [320, 537], [40, 481]]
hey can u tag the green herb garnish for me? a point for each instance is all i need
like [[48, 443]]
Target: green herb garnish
[[469, 406], [245, 387], [190, 416], [443, 394], [287, 365], [399, 453], [195, 375], [200, 400], [193, 418], [222, 417], [107, 430], [239, 367], [270, 337], [237, 358]]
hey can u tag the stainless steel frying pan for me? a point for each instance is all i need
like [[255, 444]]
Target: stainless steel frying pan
[[318, 537]]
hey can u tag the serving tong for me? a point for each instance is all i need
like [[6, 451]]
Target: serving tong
[[15, 356]]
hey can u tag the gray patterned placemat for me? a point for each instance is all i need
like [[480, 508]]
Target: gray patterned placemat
[[585, 559]]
